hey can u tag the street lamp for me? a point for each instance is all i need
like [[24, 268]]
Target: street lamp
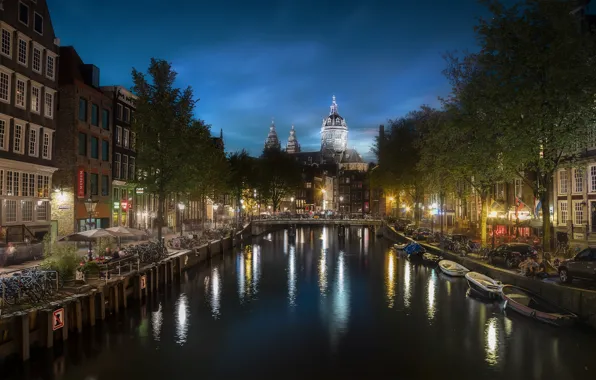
[[292, 208], [181, 208], [215, 206], [90, 206]]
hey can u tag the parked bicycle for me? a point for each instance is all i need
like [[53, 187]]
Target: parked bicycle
[[34, 285]]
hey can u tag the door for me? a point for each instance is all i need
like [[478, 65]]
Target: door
[[593, 216]]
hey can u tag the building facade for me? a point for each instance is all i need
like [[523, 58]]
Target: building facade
[[83, 147], [28, 91]]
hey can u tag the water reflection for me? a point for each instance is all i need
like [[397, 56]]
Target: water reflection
[[390, 279], [325, 238], [432, 285], [256, 268], [156, 322], [366, 239], [241, 276], [182, 314], [292, 277], [285, 241], [407, 283], [323, 272], [213, 292], [341, 301], [491, 342]]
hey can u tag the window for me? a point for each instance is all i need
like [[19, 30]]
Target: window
[[23, 13], [22, 53], [94, 183], [119, 111], [105, 185], [563, 185], [38, 23], [592, 179], [133, 141], [117, 166], [25, 185], [9, 182], [105, 150], [4, 134], [27, 211], [36, 59], [5, 86], [131, 168], [6, 42], [82, 144], [578, 181], [105, 119], [125, 138], [578, 214], [20, 93], [518, 186], [500, 191], [46, 150], [94, 114], [18, 138], [15, 184], [124, 166], [42, 210], [308, 185], [94, 147], [118, 135], [127, 114], [35, 94], [50, 66], [11, 210], [33, 141], [49, 106], [82, 109]]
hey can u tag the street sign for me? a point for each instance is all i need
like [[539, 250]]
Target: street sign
[[143, 282], [58, 319]]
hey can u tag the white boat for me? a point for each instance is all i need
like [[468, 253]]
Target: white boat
[[484, 286], [400, 247], [451, 268]]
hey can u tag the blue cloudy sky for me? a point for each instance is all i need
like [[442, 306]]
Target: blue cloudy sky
[[249, 61]]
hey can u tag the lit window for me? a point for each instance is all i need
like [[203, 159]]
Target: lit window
[[21, 94], [578, 215], [118, 135], [578, 183], [35, 95]]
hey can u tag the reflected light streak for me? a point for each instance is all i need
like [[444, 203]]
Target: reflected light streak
[[301, 236], [508, 327], [256, 268], [292, 277], [285, 241], [341, 301], [241, 276], [366, 240], [156, 322], [407, 283], [324, 238], [182, 312], [215, 296], [323, 272], [432, 288], [492, 342], [390, 279]]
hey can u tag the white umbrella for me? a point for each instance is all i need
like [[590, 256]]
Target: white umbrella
[[90, 235], [124, 231]]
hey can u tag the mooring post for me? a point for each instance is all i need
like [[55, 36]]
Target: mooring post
[[22, 326], [79, 316], [91, 300]]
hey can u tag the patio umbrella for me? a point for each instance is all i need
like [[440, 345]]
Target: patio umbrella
[[90, 235], [124, 231]]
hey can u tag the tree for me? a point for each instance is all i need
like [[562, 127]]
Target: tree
[[544, 62], [242, 175], [279, 175], [163, 122]]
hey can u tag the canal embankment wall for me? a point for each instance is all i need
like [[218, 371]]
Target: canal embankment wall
[[85, 306], [580, 301]]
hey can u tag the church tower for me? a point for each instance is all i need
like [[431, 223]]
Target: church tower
[[272, 141], [334, 133], [293, 144]]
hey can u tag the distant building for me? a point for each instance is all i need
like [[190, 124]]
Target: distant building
[[293, 144], [272, 141]]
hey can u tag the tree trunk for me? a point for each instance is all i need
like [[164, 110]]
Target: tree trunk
[[484, 218], [544, 199], [161, 198]]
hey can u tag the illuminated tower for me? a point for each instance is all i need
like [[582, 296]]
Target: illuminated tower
[[272, 141], [293, 145], [334, 133]]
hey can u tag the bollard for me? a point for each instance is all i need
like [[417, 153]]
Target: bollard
[[22, 323], [102, 304], [47, 330], [123, 295], [91, 300], [79, 316]]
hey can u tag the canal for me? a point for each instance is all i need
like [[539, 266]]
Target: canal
[[322, 307]]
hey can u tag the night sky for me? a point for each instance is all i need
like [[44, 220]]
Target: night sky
[[249, 61]]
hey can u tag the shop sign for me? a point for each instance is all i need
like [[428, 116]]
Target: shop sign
[[140, 190], [125, 98], [81, 183], [58, 319], [124, 205], [116, 205]]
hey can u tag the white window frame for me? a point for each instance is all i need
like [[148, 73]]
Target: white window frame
[[38, 87], [8, 72], [118, 135], [49, 112], [119, 111], [27, 40], [10, 30], [19, 13], [42, 22], [518, 187], [577, 180], [25, 81], [51, 56], [37, 130], [563, 212], [6, 138], [125, 137], [49, 133], [561, 182], [19, 146], [126, 115], [118, 162], [40, 49], [591, 178], [578, 205]]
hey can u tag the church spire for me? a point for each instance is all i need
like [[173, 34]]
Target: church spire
[[293, 144], [333, 107], [272, 141]]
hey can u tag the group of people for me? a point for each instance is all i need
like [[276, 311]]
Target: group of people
[[532, 267], [7, 254], [109, 253]]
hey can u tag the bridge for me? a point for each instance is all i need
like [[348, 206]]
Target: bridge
[[259, 226]]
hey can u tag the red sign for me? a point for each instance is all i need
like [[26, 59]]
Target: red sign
[[81, 183], [124, 205], [58, 319]]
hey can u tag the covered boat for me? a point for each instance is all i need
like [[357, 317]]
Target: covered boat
[[451, 268], [484, 286], [431, 257], [531, 305]]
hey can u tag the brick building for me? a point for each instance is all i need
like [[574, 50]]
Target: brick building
[[83, 147], [28, 74]]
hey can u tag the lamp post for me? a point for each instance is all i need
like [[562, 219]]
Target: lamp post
[[240, 211], [90, 206], [341, 206], [323, 191], [292, 208], [215, 206], [181, 208]]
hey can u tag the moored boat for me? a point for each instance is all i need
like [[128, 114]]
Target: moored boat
[[532, 305], [431, 257], [400, 247], [451, 268], [484, 286]]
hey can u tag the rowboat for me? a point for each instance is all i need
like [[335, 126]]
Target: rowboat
[[431, 257], [531, 305], [484, 286], [451, 268]]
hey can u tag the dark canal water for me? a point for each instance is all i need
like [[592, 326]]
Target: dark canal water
[[320, 309]]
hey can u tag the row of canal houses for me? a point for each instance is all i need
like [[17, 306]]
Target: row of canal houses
[[64, 139]]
